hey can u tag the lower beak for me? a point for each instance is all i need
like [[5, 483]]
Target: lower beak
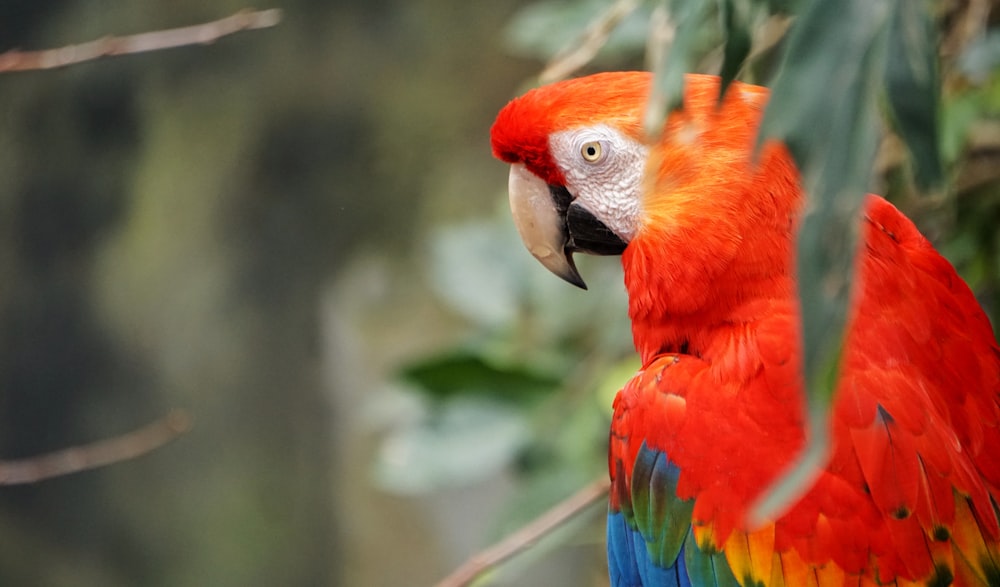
[[553, 226]]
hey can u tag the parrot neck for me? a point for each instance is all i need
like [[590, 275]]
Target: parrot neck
[[708, 276], [724, 329], [692, 299]]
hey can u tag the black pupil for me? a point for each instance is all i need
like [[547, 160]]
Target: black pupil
[[591, 151]]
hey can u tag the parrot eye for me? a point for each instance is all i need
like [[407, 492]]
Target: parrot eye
[[592, 151]]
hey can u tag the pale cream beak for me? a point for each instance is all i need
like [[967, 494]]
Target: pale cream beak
[[541, 223]]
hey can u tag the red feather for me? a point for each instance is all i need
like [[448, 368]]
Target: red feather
[[910, 490]]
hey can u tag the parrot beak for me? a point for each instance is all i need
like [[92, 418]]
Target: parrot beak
[[539, 215], [553, 226]]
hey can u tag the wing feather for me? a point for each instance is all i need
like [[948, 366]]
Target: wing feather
[[909, 495]]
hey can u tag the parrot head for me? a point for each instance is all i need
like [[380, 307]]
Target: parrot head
[[684, 206], [577, 157]]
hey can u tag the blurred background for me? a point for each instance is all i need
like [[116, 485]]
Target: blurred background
[[298, 235]]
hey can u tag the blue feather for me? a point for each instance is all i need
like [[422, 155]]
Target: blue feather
[[629, 564], [650, 541]]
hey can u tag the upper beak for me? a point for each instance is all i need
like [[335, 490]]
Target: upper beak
[[553, 226]]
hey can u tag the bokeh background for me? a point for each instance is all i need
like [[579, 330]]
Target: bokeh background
[[244, 230], [298, 236]]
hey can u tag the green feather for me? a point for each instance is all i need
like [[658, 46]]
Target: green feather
[[707, 569], [660, 516]]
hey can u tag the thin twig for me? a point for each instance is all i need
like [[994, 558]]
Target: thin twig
[[969, 25], [584, 48], [96, 454], [662, 31], [203, 34], [526, 536]]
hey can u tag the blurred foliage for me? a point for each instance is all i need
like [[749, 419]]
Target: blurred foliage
[[179, 229], [543, 29], [865, 50], [929, 68], [527, 382]]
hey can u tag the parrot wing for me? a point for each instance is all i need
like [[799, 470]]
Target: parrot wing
[[909, 495]]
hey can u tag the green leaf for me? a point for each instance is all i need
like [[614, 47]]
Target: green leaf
[[981, 58], [464, 440], [478, 269], [614, 379], [468, 372], [735, 16], [543, 29], [781, 6], [913, 87], [959, 114], [673, 58], [823, 108]]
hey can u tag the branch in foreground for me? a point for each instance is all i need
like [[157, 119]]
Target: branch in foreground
[[201, 34], [96, 454], [528, 535]]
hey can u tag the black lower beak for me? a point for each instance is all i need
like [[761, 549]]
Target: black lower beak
[[584, 233], [587, 234]]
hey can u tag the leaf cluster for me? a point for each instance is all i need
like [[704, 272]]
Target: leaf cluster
[[527, 392]]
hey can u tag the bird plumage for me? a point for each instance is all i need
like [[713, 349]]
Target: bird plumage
[[910, 492]]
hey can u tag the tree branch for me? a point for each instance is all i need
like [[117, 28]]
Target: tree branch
[[96, 454], [526, 536], [245, 20], [586, 46]]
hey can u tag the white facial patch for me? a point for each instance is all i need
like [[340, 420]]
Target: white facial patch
[[603, 170]]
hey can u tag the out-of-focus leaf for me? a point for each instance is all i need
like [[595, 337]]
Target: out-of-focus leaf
[[470, 373], [782, 6], [482, 271], [962, 251], [735, 16], [589, 42], [913, 87], [991, 95], [598, 315], [614, 378], [823, 109], [675, 57], [479, 270], [465, 440], [543, 29], [981, 58], [958, 115], [963, 110]]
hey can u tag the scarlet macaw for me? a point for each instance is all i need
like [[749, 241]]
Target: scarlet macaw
[[706, 232]]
